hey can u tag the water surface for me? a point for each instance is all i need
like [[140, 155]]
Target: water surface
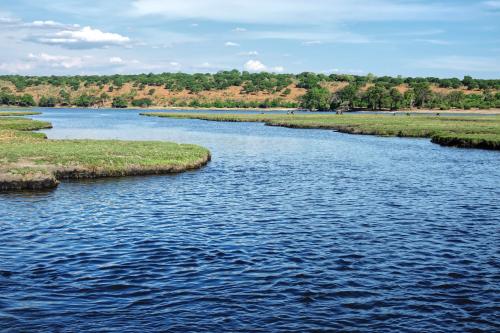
[[285, 230]]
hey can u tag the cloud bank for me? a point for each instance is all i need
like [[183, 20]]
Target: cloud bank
[[296, 11]]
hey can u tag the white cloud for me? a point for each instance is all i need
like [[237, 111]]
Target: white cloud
[[298, 11], [312, 42], [116, 60], [344, 71], [312, 37], [231, 44], [416, 33], [81, 38], [15, 67], [44, 23], [58, 60], [63, 64], [238, 29], [279, 69], [6, 20], [257, 66], [66, 35], [495, 5], [249, 53], [254, 66], [16, 23], [462, 64], [49, 25], [434, 41]]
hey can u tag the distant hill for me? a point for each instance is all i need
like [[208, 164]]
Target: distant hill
[[234, 89]]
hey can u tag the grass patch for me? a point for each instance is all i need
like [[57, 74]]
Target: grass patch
[[466, 132], [18, 113], [29, 161]]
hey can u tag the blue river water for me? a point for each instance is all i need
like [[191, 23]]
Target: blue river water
[[285, 230]]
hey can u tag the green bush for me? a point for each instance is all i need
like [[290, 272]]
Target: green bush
[[47, 102], [317, 99], [26, 100], [142, 102], [119, 102], [84, 100]]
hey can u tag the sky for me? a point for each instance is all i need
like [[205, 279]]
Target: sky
[[385, 37]]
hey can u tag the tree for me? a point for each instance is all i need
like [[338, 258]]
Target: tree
[[103, 98], [396, 98], [119, 102], [26, 100], [374, 96], [308, 80], [469, 82], [317, 99], [409, 99], [347, 95], [142, 102], [47, 102], [84, 100], [65, 97], [7, 98], [456, 99], [422, 93]]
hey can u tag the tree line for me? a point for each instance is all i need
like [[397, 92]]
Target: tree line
[[127, 100], [381, 96], [382, 93], [251, 82]]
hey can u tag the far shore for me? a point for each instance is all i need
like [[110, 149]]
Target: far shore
[[454, 111], [495, 111]]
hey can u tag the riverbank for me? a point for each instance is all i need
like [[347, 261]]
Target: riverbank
[[469, 132], [419, 111], [29, 161], [18, 113], [447, 112], [495, 111]]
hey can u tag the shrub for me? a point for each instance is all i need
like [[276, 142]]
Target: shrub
[[119, 102], [142, 102], [47, 102]]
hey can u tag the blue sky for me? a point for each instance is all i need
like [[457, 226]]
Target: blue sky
[[385, 37]]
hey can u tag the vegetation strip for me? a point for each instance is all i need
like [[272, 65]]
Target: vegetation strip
[[18, 113], [234, 89], [29, 161], [464, 132]]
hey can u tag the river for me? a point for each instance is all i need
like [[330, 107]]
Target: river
[[285, 230]]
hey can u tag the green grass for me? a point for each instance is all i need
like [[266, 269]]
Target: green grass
[[27, 159], [459, 131], [22, 124], [18, 113]]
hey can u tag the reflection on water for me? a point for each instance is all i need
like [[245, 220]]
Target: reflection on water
[[292, 230]]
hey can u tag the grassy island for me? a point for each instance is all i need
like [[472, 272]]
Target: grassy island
[[465, 132], [18, 113], [29, 161]]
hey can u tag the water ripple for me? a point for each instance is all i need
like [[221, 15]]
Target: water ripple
[[285, 230]]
